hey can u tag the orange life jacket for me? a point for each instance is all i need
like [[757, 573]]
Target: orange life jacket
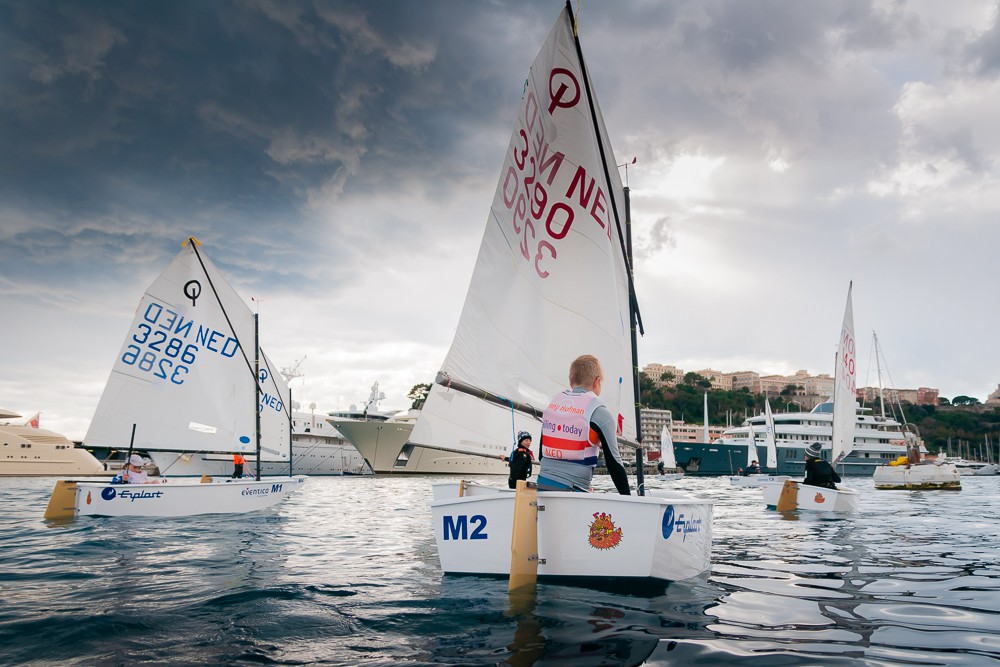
[[238, 459]]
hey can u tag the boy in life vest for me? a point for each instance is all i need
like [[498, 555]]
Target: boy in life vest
[[576, 427]]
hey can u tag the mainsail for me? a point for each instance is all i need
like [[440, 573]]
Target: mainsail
[[769, 438], [751, 447], [667, 449], [550, 282], [844, 390], [185, 373]]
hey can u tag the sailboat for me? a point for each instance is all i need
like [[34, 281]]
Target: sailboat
[[667, 457], [754, 480], [552, 282], [790, 495], [909, 471], [190, 377]]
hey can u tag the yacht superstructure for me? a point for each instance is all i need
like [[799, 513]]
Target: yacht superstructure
[[27, 450], [877, 440], [384, 444]]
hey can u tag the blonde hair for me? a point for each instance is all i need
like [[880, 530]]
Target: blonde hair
[[584, 371]]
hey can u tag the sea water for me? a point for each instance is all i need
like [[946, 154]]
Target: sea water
[[345, 572]]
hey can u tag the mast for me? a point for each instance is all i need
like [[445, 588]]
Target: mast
[[256, 393], [625, 242], [878, 369], [640, 473]]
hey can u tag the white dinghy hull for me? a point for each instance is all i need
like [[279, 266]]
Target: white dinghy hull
[[813, 498], [918, 477], [757, 480], [662, 536], [176, 498]]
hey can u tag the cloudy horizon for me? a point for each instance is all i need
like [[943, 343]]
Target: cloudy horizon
[[338, 159]]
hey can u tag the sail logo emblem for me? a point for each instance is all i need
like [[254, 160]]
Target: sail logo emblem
[[677, 524], [819, 498], [560, 79], [603, 533], [192, 290], [107, 494]]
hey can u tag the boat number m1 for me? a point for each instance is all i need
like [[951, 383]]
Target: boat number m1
[[457, 527]]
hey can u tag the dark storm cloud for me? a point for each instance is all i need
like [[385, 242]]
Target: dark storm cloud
[[154, 117]]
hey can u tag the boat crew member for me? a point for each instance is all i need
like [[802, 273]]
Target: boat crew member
[[133, 472], [576, 427], [661, 467], [752, 469], [238, 463], [912, 454], [521, 460], [818, 471]]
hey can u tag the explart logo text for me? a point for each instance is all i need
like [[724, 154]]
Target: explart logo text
[[671, 524]]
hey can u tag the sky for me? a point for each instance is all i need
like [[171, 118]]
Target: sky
[[338, 160]]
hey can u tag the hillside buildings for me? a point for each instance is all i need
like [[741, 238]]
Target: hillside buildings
[[801, 388]]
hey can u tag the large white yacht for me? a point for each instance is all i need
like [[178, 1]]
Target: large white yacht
[[26, 450], [384, 444], [877, 440], [317, 449]]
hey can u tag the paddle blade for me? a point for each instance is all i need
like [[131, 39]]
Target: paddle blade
[[788, 500], [524, 538], [62, 504]]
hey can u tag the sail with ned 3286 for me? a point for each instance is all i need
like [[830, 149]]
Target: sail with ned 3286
[[184, 374], [550, 282]]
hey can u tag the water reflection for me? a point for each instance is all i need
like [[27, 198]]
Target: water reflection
[[348, 574]]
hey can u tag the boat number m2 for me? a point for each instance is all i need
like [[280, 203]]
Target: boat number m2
[[457, 527]]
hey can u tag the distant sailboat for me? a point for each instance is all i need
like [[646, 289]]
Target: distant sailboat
[[667, 457], [789, 495], [190, 377], [757, 479]]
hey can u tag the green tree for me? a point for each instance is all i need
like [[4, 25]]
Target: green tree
[[418, 394], [693, 379], [964, 400]]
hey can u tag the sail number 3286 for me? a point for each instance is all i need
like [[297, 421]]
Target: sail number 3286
[[167, 358]]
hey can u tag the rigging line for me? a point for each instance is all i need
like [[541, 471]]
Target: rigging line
[[513, 430], [633, 302], [194, 247]]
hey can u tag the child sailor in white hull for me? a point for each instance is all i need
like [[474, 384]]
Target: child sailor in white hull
[[576, 427]]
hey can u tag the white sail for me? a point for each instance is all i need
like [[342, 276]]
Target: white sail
[[844, 391], [705, 412], [184, 375], [550, 283], [275, 425], [667, 449], [769, 441], [751, 447]]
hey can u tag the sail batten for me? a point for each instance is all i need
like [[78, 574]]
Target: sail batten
[[551, 281]]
